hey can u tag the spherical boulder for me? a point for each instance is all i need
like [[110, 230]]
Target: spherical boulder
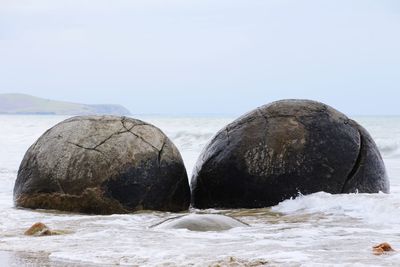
[[201, 223], [102, 165], [280, 150]]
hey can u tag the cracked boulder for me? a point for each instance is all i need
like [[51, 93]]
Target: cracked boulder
[[102, 165], [284, 149]]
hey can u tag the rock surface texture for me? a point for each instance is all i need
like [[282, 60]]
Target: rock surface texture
[[282, 149], [102, 165]]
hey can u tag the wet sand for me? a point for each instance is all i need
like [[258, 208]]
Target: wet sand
[[20, 259]]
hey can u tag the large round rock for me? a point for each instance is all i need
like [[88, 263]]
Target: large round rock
[[103, 165], [282, 149]]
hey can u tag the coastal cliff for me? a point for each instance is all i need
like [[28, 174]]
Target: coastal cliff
[[27, 104]]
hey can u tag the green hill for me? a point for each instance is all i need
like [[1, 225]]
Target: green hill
[[26, 104]]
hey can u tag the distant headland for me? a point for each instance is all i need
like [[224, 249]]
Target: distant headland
[[27, 104]]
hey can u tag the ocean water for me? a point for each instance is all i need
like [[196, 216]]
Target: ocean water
[[315, 230]]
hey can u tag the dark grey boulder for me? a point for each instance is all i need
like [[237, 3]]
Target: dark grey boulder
[[201, 223], [282, 149], [103, 165]]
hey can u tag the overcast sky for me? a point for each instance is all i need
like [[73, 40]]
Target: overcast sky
[[204, 56]]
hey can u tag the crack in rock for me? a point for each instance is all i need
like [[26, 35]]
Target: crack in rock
[[261, 114], [227, 136], [122, 130], [159, 154], [100, 143], [123, 121], [144, 140], [357, 164], [83, 147], [91, 149], [108, 138]]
